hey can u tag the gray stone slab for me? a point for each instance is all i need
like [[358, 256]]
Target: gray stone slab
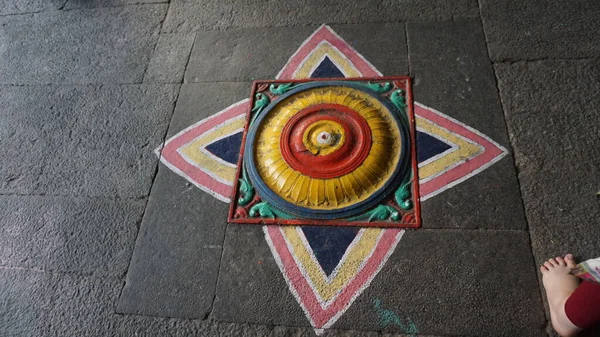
[[74, 4], [456, 282], [455, 77], [242, 54], [109, 45], [260, 53], [251, 287], [25, 302], [174, 268], [519, 30], [82, 140], [382, 44], [170, 58], [552, 113], [197, 101], [29, 6], [66, 234], [553, 116], [561, 198], [185, 16], [44, 304], [450, 282], [190, 16]]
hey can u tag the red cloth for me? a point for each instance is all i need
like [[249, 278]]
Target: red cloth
[[583, 306]]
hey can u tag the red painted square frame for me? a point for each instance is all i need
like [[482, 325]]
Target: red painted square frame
[[335, 222]]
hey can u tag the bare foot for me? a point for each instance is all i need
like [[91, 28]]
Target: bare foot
[[560, 284]]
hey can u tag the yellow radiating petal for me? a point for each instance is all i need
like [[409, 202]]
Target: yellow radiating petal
[[338, 96], [275, 169], [365, 177], [354, 104], [339, 192], [378, 124], [313, 192], [348, 100], [290, 183], [322, 92], [377, 164], [304, 189], [321, 191], [311, 99], [362, 106], [327, 96], [283, 178], [332, 199], [349, 190], [372, 113], [300, 191], [360, 181], [358, 187], [297, 105], [270, 161]]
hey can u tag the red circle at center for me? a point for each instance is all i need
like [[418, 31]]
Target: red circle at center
[[344, 160]]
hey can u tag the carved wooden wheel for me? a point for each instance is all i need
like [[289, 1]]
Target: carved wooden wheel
[[328, 150]]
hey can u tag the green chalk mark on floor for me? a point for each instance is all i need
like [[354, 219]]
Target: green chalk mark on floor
[[388, 317]]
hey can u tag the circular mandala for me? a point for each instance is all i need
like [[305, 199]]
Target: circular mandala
[[327, 150]]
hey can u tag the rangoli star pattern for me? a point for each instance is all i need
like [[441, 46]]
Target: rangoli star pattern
[[327, 268]]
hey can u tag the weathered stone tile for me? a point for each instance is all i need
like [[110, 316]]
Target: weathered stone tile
[[260, 53], [552, 113], [175, 264], [437, 279], [441, 279], [185, 16], [82, 140], [174, 268], [242, 55], [109, 45], [455, 77], [197, 101], [73, 4], [43, 304], [66, 234], [251, 287], [190, 16], [383, 45], [25, 302], [519, 30], [169, 59], [29, 6]]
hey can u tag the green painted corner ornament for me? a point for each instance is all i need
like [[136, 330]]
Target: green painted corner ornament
[[264, 210], [281, 88], [403, 195], [378, 87], [397, 98], [379, 213], [260, 103], [246, 190]]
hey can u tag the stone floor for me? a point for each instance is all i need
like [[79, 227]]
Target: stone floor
[[98, 238]]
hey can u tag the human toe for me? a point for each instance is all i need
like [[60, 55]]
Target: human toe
[[570, 260]]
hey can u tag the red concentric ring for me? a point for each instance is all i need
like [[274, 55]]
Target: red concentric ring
[[344, 160]]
